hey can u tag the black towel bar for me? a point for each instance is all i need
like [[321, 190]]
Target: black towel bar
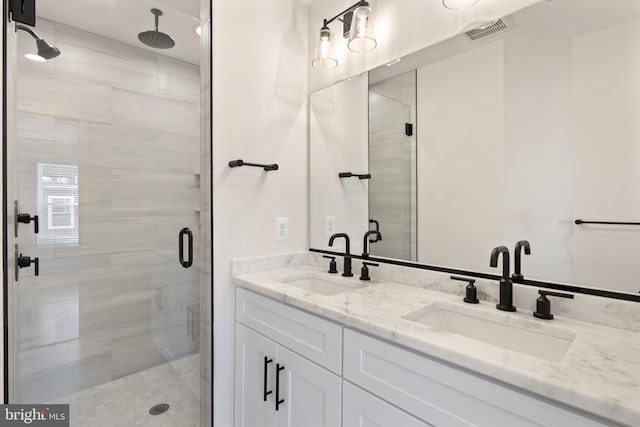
[[354, 175], [582, 221], [238, 163]]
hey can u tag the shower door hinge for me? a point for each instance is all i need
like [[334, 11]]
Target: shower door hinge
[[408, 129], [23, 11]]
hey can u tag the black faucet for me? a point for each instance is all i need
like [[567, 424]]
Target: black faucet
[[365, 252], [347, 255], [377, 224], [517, 275], [506, 286]]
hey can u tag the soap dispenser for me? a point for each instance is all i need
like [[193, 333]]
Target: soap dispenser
[[471, 292]]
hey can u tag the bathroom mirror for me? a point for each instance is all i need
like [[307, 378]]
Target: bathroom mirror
[[512, 131]]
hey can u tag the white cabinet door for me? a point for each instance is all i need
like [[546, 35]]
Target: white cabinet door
[[312, 396], [251, 409], [361, 409]]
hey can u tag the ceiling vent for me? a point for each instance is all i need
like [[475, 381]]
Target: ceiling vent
[[487, 31]]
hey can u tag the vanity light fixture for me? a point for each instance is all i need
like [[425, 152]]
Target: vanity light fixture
[[362, 38], [458, 4], [357, 26], [325, 58]]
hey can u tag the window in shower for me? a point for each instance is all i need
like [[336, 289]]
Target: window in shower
[[58, 204]]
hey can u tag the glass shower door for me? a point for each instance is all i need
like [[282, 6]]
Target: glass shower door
[[107, 154], [392, 187]]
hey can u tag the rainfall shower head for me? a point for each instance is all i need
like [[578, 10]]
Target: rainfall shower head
[[45, 50], [155, 38]]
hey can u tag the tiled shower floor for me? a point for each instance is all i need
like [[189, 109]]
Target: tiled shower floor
[[126, 402]]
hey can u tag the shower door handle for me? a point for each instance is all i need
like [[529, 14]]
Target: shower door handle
[[189, 234]]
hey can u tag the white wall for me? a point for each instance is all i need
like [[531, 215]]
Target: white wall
[[260, 115], [402, 27], [338, 132]]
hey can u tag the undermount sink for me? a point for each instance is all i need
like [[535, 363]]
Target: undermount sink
[[529, 337], [322, 283]]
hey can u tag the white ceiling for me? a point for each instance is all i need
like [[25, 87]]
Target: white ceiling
[[122, 20]]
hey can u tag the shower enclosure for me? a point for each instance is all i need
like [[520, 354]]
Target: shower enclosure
[[392, 164], [108, 217]]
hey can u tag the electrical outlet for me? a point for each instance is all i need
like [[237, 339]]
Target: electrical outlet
[[329, 225], [282, 228]]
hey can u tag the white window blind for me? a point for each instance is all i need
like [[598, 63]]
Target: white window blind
[[58, 204]]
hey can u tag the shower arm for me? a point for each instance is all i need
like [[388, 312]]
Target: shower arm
[[28, 30]]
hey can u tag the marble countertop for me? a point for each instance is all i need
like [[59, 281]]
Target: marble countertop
[[599, 374]]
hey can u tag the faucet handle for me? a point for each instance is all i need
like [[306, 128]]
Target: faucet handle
[[364, 271], [471, 293], [543, 305], [333, 266]]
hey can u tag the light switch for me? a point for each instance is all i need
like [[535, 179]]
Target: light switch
[[282, 228], [329, 225]]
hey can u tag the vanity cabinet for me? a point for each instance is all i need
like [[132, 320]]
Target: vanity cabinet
[[443, 395], [267, 371], [333, 376]]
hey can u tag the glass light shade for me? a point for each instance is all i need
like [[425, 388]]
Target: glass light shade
[[325, 58], [362, 36], [458, 4]]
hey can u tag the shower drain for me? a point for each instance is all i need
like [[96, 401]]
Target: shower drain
[[158, 409]]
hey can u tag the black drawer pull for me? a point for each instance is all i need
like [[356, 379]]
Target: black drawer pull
[[278, 400], [264, 387]]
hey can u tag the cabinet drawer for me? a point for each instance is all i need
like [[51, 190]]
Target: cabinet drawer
[[310, 336], [443, 395], [361, 409]]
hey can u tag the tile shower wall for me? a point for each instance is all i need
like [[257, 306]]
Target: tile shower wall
[[117, 302], [392, 164]]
